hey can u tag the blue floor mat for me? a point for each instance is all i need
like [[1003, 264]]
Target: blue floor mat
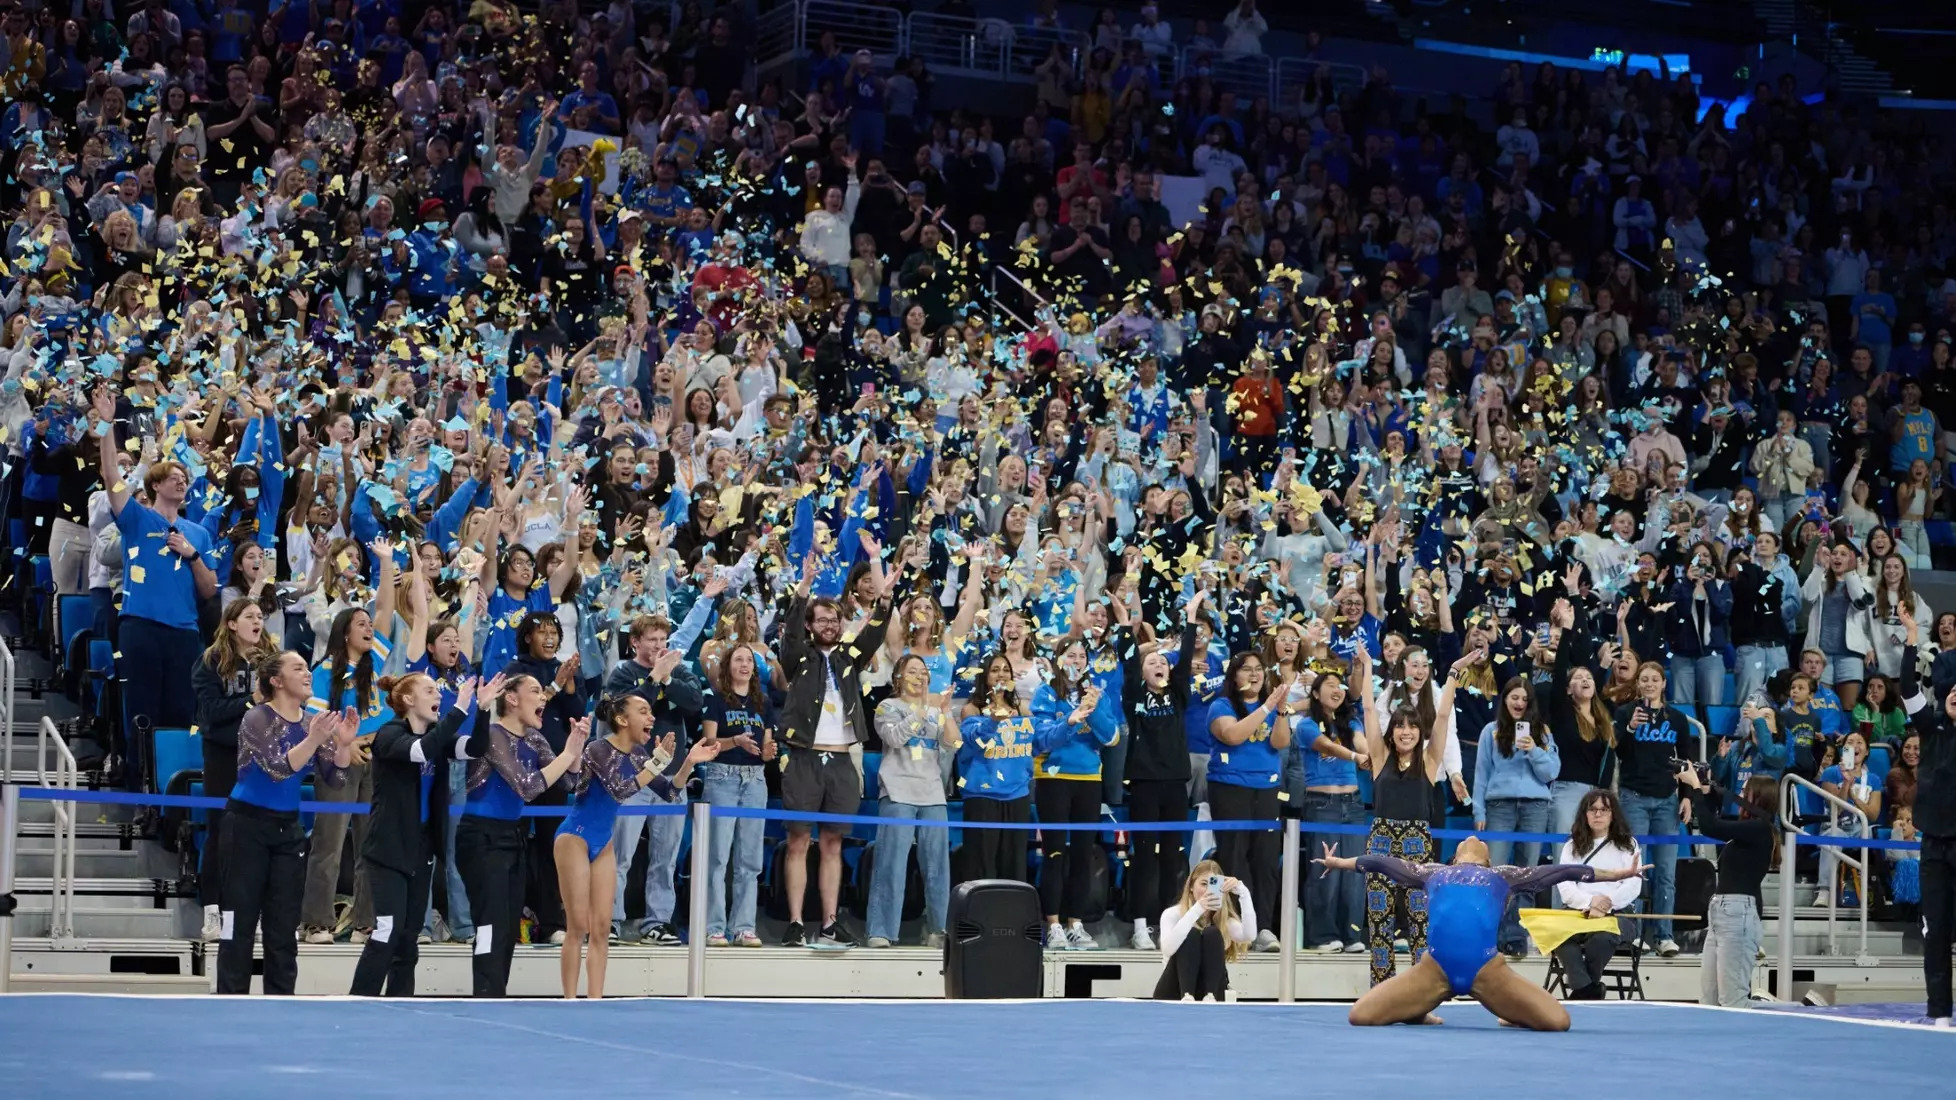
[[334, 1048]]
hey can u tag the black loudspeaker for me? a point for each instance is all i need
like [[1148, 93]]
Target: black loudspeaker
[[993, 951]]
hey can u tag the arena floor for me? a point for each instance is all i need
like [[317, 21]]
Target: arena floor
[[108, 1046]]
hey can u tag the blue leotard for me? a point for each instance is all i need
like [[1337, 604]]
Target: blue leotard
[[606, 777], [1464, 903]]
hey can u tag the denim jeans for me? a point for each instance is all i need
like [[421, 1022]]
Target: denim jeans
[[460, 926], [667, 832], [1756, 666], [1732, 937], [893, 861], [1781, 509], [1515, 815], [1698, 680], [1334, 905], [1565, 797], [1656, 815], [739, 840]]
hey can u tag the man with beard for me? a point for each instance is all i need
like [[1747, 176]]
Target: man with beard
[[824, 717]]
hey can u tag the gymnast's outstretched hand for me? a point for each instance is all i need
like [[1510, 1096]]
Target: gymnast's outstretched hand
[[1330, 861], [1623, 873]]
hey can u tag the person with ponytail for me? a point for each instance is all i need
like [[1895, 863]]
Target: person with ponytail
[[614, 768], [404, 831], [1407, 763], [223, 681], [264, 844], [1155, 700], [509, 764], [1076, 721]]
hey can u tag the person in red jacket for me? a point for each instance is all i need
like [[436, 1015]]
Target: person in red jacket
[[1256, 407]]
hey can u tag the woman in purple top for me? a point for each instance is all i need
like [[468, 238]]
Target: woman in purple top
[[264, 844], [615, 768]]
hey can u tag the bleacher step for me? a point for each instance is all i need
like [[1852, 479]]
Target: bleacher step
[[104, 922]]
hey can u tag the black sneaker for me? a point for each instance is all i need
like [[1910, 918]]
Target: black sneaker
[[834, 935], [662, 935], [795, 936]]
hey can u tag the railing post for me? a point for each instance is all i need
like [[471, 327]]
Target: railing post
[[1789, 849], [1287, 916], [9, 830], [696, 902], [7, 704]]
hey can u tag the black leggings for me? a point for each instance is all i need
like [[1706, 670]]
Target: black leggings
[[1253, 855], [540, 889], [1197, 969], [264, 881], [393, 950], [997, 853], [1583, 959], [489, 853], [220, 775], [1066, 876], [1158, 861]]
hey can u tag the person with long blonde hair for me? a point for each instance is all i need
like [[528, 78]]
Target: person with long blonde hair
[[1211, 926]]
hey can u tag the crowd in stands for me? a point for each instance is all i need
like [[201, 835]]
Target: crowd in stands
[[854, 430]]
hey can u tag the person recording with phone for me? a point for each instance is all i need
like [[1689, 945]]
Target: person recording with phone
[[1517, 763], [1210, 927], [1650, 735], [1935, 817], [1733, 931]]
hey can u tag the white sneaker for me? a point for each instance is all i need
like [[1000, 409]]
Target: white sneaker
[[557, 938], [1667, 948], [424, 939], [213, 929], [1141, 940], [1820, 899], [1056, 937], [1266, 941], [318, 936], [1940, 1021], [1079, 939], [357, 936], [1354, 948], [878, 941], [1333, 948]]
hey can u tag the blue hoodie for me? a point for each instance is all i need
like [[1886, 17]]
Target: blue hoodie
[[995, 760], [1073, 751]]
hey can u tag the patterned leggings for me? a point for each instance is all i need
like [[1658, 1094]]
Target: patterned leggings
[[1388, 904]]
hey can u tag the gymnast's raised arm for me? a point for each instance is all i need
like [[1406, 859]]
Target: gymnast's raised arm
[[1531, 879]]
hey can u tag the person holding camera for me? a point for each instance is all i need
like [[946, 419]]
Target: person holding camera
[[1599, 838], [1210, 927], [1755, 747], [1701, 605], [1651, 737], [1733, 931]]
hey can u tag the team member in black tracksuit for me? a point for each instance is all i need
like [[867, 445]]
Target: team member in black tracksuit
[[222, 680], [265, 846], [404, 830], [1155, 697], [1935, 817]]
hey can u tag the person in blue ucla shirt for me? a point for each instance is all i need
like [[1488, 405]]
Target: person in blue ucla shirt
[[279, 744], [994, 769], [164, 575], [1251, 726]]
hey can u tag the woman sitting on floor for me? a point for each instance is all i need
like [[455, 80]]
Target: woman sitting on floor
[[1211, 926]]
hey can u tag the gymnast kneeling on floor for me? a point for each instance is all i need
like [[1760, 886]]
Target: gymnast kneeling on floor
[[1464, 903], [1211, 925]]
